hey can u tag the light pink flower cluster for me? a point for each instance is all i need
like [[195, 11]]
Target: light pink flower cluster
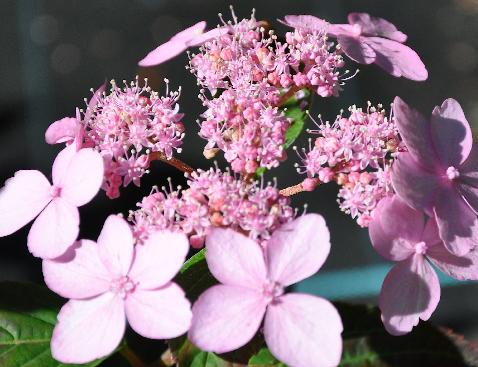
[[125, 126], [213, 198], [252, 69], [355, 152]]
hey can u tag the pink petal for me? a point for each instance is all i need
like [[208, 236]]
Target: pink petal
[[415, 132], [82, 178], [93, 102], [163, 53], [397, 59], [21, 199], [209, 35], [79, 273], [410, 292], [61, 164], [163, 313], [61, 131], [468, 181], [451, 133], [470, 195], [226, 317], [459, 267], [303, 330], [335, 30], [374, 26], [415, 186], [190, 32], [298, 249], [430, 234], [116, 245], [55, 229], [235, 259], [306, 22], [159, 259], [88, 329], [395, 229], [457, 222], [356, 49]]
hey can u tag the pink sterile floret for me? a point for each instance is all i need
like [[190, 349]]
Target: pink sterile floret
[[112, 281], [300, 329], [411, 289], [213, 198], [367, 39], [77, 177], [439, 172]]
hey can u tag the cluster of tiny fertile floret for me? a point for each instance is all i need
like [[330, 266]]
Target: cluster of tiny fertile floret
[[356, 152], [213, 198], [247, 72], [127, 125]]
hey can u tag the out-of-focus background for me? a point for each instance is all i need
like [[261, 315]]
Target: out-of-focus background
[[54, 51]]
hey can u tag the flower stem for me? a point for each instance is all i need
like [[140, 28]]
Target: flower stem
[[131, 357], [176, 163], [292, 190]]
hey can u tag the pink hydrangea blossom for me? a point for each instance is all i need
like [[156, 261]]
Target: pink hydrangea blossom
[[190, 37], [301, 330], [439, 172], [29, 194], [366, 40], [213, 198], [111, 281], [411, 290]]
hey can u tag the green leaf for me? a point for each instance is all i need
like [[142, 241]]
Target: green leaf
[[27, 318], [260, 171], [205, 359], [197, 257], [295, 129], [264, 358]]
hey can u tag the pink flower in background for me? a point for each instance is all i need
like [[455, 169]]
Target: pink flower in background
[[368, 40], [301, 330], [190, 37], [111, 281], [77, 177], [411, 290], [439, 173]]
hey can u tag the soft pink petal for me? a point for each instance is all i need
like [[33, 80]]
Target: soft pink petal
[[410, 292], [470, 195], [61, 131], [451, 133], [415, 132], [116, 245], [88, 329], [61, 163], [209, 35], [159, 259], [430, 234], [190, 32], [55, 230], [226, 317], [468, 181], [398, 59], [395, 229], [83, 177], [163, 53], [298, 249], [235, 259], [374, 26], [303, 330], [79, 273], [459, 267], [21, 199], [356, 49], [457, 222], [163, 313], [415, 186], [306, 22]]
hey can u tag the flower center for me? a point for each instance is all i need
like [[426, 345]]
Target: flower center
[[421, 248], [452, 173], [122, 286], [55, 191], [272, 291]]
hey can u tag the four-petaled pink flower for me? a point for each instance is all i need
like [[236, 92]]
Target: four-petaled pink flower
[[366, 40], [439, 173], [77, 177], [111, 281], [411, 290], [301, 330], [190, 37]]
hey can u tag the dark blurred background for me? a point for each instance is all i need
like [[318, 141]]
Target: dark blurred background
[[53, 52]]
